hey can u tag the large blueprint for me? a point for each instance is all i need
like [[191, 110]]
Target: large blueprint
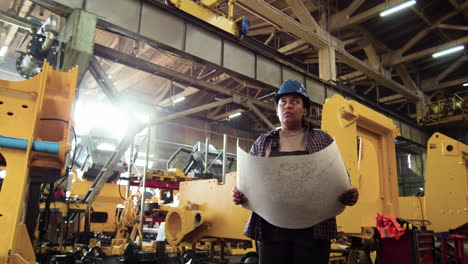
[[293, 191]]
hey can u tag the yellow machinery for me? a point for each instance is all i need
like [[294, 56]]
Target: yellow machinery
[[366, 141], [445, 200], [32, 112], [444, 111], [103, 217], [206, 210], [207, 11]]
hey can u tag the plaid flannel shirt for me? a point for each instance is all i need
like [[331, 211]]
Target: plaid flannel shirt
[[316, 141]]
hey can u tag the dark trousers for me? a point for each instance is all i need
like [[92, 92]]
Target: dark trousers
[[295, 251]]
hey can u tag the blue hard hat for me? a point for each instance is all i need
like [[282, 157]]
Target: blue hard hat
[[293, 86]]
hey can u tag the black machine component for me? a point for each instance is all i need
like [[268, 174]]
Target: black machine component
[[43, 45], [193, 161]]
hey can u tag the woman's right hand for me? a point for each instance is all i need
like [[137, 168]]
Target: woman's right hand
[[238, 197]]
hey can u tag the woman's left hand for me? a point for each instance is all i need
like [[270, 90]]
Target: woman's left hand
[[350, 196]]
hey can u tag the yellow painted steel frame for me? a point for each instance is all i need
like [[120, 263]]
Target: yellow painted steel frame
[[366, 142], [206, 210], [24, 106], [445, 200], [106, 202], [208, 14]]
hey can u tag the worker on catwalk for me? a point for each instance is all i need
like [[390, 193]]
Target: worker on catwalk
[[295, 137]]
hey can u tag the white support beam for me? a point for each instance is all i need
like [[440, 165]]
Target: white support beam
[[300, 10], [227, 114], [343, 20], [187, 92], [320, 40], [389, 57], [354, 6], [448, 84], [299, 50], [260, 115], [287, 23], [427, 52], [456, 27], [451, 68], [391, 98], [292, 46], [327, 64], [12, 29], [351, 76], [165, 88], [406, 77], [372, 57]]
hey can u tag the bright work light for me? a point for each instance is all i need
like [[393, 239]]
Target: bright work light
[[396, 8], [448, 51]]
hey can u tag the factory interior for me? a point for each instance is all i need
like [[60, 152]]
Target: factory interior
[[121, 123]]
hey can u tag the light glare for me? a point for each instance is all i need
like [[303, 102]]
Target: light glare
[[3, 51], [178, 99], [397, 8], [106, 147], [235, 115], [448, 51]]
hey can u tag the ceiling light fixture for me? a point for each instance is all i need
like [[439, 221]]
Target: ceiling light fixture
[[465, 84], [235, 115], [397, 8], [448, 51], [178, 99]]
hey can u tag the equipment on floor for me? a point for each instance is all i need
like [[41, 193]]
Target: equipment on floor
[[193, 161]]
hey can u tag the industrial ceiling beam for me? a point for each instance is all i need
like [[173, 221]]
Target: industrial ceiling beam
[[343, 19], [323, 39], [429, 84], [260, 115], [108, 168], [420, 35], [167, 73], [300, 10], [406, 77], [426, 52], [103, 81], [187, 92], [390, 98], [227, 114], [456, 27], [448, 84], [292, 46]]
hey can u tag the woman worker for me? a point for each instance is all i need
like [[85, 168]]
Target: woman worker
[[295, 137]]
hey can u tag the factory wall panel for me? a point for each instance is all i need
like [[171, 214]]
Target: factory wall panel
[[330, 92], [416, 135], [239, 59], [289, 73], [123, 13], [405, 130], [163, 26], [268, 71], [203, 44], [316, 91], [72, 4]]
